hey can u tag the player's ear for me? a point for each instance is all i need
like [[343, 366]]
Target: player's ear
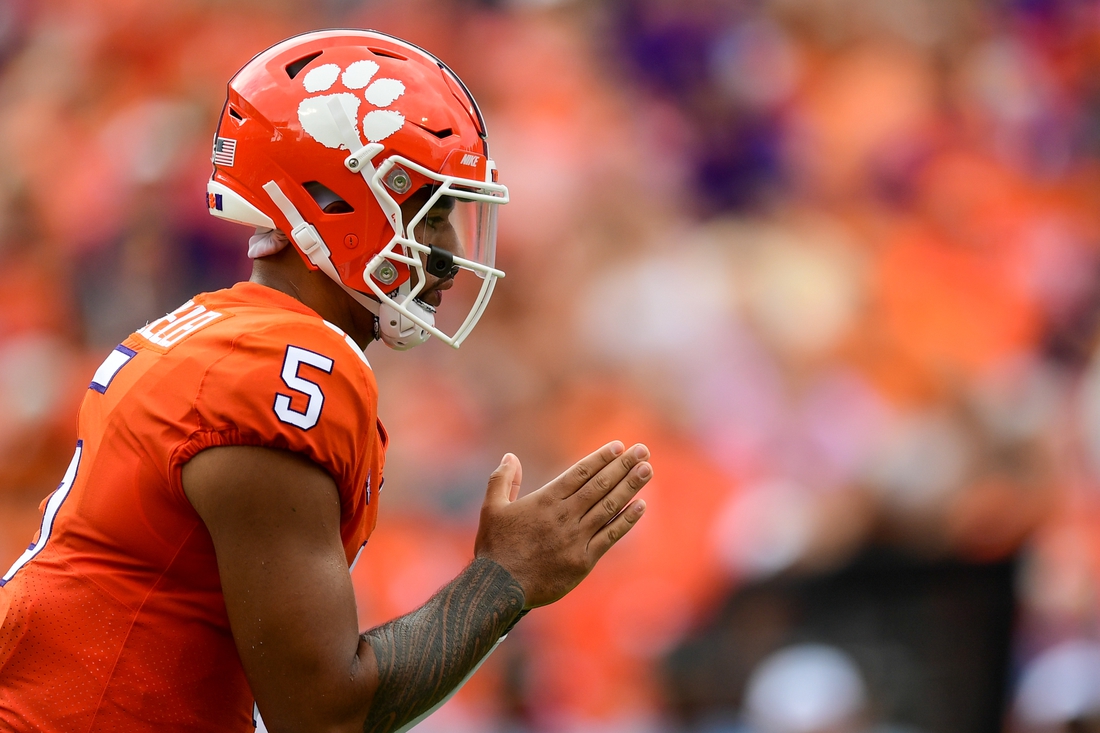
[[266, 242]]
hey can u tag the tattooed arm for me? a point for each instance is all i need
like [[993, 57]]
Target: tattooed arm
[[422, 657], [274, 518]]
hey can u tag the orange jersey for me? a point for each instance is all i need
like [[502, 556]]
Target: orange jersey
[[113, 619]]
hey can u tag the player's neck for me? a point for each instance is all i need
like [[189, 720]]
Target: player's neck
[[286, 272]]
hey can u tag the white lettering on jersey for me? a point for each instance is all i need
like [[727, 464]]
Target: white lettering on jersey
[[166, 332]]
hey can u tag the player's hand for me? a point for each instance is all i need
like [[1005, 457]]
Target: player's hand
[[551, 539]]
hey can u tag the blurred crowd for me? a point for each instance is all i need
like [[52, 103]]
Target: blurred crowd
[[836, 261]]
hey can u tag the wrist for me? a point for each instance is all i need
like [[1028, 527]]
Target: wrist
[[497, 579], [515, 621]]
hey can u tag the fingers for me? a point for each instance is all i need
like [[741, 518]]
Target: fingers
[[575, 477], [504, 481], [606, 538], [606, 508], [598, 488]]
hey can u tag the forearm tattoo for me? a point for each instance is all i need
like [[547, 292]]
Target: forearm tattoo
[[424, 655]]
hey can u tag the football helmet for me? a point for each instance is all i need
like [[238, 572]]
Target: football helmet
[[335, 138]]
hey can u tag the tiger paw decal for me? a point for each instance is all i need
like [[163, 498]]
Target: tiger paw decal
[[376, 125]]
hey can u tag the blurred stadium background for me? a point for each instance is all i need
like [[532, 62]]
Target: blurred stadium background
[[836, 261]]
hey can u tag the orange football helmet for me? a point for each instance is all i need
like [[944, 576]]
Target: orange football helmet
[[325, 135]]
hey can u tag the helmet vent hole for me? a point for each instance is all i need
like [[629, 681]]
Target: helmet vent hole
[[328, 201], [388, 54], [441, 134], [295, 67], [235, 115]]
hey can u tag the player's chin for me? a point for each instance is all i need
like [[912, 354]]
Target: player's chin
[[433, 299]]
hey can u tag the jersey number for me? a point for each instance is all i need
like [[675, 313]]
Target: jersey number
[[54, 503], [104, 375], [295, 357]]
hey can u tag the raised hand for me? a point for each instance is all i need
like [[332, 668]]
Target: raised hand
[[552, 538]]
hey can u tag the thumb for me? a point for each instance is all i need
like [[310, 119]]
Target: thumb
[[502, 481], [517, 478]]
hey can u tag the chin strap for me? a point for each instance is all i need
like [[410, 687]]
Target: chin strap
[[392, 326], [309, 241]]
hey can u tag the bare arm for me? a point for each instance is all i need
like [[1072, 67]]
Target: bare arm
[[274, 518], [421, 657]]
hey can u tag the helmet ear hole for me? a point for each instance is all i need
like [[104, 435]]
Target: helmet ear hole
[[295, 67], [338, 207], [327, 200]]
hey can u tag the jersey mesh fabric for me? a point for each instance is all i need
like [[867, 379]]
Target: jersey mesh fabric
[[118, 623]]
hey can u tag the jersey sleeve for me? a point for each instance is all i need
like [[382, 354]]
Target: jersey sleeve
[[295, 387]]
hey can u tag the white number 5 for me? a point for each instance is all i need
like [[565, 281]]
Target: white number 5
[[295, 357]]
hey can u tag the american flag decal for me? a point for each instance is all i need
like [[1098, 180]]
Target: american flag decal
[[225, 151]]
